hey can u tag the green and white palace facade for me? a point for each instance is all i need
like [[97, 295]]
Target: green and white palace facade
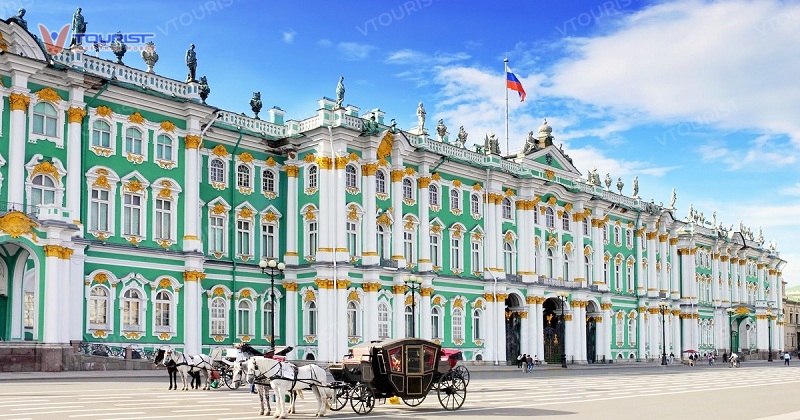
[[135, 215]]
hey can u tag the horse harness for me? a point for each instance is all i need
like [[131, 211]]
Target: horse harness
[[279, 375], [186, 363]]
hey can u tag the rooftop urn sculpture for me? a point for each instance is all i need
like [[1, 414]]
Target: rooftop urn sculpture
[[461, 139], [255, 103], [340, 93], [441, 131], [203, 89], [191, 63], [118, 47], [608, 181], [78, 28], [421, 118], [150, 56], [620, 185]]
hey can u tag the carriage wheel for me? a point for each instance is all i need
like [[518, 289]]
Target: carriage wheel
[[452, 391], [413, 402], [362, 399], [340, 396], [227, 376], [463, 372]]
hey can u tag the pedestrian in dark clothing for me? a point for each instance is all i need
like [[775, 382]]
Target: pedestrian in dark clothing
[[529, 362]]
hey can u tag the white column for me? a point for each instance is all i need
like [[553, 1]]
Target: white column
[[577, 233], [523, 233], [325, 311], [76, 296], [53, 301], [569, 335], [16, 147], [326, 209], [761, 330], [491, 240], [715, 290], [524, 331], [675, 278], [735, 280], [652, 275], [292, 223], [340, 247], [75, 116], [342, 338], [500, 271], [399, 306], [369, 255], [489, 323], [424, 253], [663, 283], [500, 324], [760, 274], [425, 310], [687, 339], [191, 163], [291, 310], [397, 214], [641, 344], [371, 310], [725, 292], [539, 328], [533, 329], [599, 249], [606, 307], [641, 287], [191, 310], [743, 279], [676, 333]]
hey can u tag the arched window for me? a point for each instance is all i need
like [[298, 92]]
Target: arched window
[[618, 276], [352, 319], [410, 324], [163, 311], [382, 238], [164, 147], [243, 176], [587, 269], [218, 317], [244, 313], [456, 254], [131, 310], [508, 258], [350, 176], [98, 307], [43, 190], [549, 218], [269, 313], [311, 311], [45, 119], [436, 319], [380, 182], [629, 278], [477, 334], [458, 324], [507, 211], [628, 238], [620, 328], [133, 141], [268, 181], [617, 237], [408, 189], [550, 263], [632, 331], [312, 177], [433, 194], [455, 199], [101, 134], [566, 267], [565, 221], [383, 320], [475, 204], [217, 173]]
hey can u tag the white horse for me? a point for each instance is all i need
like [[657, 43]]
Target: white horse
[[284, 377], [262, 389], [186, 364]]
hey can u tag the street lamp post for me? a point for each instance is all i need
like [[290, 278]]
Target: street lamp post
[[562, 296], [413, 282], [730, 312], [663, 307], [272, 269], [769, 330]]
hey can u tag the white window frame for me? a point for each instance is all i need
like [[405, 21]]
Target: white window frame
[[408, 189], [550, 218], [144, 132], [265, 242], [240, 232], [140, 309], [216, 321], [457, 324], [456, 252], [60, 108], [565, 222], [437, 323], [265, 179], [508, 209], [242, 179], [167, 190], [476, 255], [245, 314], [172, 157], [380, 182], [475, 205], [112, 148], [585, 224], [353, 235], [632, 327], [477, 324], [108, 299], [433, 195], [100, 131], [509, 258], [224, 216], [455, 198], [311, 178], [354, 320], [265, 324], [351, 177], [58, 183], [171, 306], [436, 248], [310, 318], [222, 171], [384, 311]]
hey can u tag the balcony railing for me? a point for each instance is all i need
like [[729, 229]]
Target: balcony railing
[[7, 207]]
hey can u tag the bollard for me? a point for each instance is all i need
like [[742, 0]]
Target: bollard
[[128, 353]]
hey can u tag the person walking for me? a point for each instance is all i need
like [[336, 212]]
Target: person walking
[[786, 358], [529, 363], [519, 360]]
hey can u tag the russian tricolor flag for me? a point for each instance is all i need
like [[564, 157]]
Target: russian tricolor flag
[[513, 83]]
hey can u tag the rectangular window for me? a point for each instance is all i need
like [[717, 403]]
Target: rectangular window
[[455, 254], [132, 211], [243, 237], [218, 320], [268, 241], [162, 315], [352, 239], [130, 315], [216, 234], [435, 251], [29, 309], [99, 211], [408, 247], [458, 327], [163, 219], [476, 262], [312, 238]]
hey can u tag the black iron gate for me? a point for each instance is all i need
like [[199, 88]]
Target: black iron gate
[[513, 328], [591, 339], [553, 340]]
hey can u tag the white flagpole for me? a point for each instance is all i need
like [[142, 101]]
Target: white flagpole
[[505, 79]]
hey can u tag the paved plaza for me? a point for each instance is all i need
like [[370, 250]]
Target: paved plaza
[[755, 391]]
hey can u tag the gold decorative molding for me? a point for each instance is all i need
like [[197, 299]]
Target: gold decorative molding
[[291, 171], [220, 150], [369, 169], [133, 186], [192, 142], [16, 223], [49, 94], [385, 147], [136, 118], [423, 182], [75, 115], [193, 275], [398, 290], [246, 157], [290, 286], [342, 161], [397, 175], [45, 167], [246, 213], [19, 102], [324, 162]]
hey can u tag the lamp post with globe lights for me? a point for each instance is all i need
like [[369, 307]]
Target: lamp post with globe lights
[[413, 282], [562, 296], [273, 269], [769, 329], [730, 312], [663, 307]]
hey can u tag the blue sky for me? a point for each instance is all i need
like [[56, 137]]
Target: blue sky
[[695, 95]]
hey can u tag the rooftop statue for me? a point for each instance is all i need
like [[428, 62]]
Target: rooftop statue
[[204, 90], [149, 56], [393, 128], [608, 181], [760, 238], [714, 219], [441, 131], [461, 138], [78, 28], [191, 63], [370, 127], [636, 187], [118, 47], [421, 118], [340, 93], [530, 143], [672, 200], [620, 185], [491, 144], [19, 19], [255, 103]]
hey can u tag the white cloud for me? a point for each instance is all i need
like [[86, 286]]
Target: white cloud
[[354, 51], [288, 36], [418, 58], [325, 43], [793, 190], [726, 64], [760, 155]]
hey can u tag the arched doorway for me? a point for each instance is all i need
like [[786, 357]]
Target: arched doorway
[[513, 326], [553, 330], [593, 315], [20, 294]]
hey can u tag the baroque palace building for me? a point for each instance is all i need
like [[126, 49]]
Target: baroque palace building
[[134, 214]]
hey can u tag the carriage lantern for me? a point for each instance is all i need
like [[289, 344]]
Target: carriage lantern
[[272, 269]]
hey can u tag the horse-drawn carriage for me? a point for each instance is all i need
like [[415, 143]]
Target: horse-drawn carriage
[[406, 368], [224, 358]]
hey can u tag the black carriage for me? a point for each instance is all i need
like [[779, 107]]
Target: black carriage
[[407, 368]]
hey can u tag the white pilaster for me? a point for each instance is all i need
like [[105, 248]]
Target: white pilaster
[[290, 314], [53, 301], [424, 253], [191, 168], [20, 102], [397, 213], [292, 224], [340, 246], [75, 116]]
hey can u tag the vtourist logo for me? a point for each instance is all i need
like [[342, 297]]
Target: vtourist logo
[[55, 41]]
